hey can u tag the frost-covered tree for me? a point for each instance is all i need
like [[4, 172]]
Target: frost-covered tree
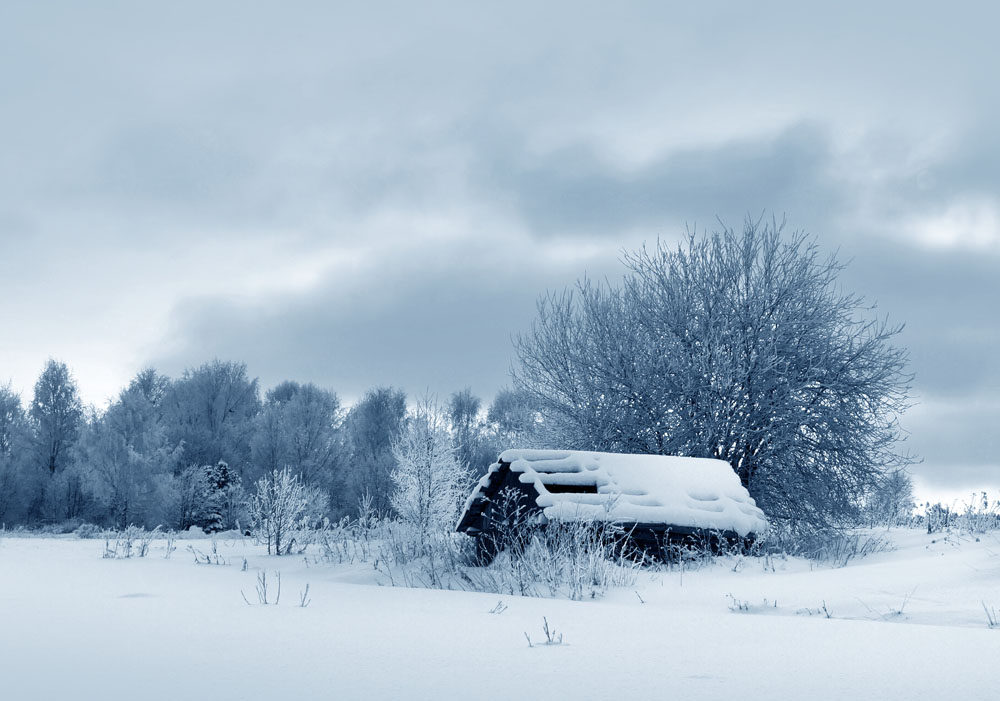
[[735, 345], [138, 414], [210, 410], [891, 501], [14, 440], [192, 498], [13, 422], [371, 428], [126, 456], [54, 491], [225, 499], [121, 478], [210, 497], [428, 477], [474, 448], [298, 426], [56, 413], [276, 508], [513, 420]]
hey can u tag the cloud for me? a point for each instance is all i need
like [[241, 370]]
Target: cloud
[[425, 318], [575, 191], [947, 301]]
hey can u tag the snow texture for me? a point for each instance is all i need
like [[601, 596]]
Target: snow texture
[[906, 624], [690, 492]]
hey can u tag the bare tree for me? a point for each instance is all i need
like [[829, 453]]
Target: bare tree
[[736, 346]]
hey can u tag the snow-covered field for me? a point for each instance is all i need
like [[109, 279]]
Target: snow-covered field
[[908, 623]]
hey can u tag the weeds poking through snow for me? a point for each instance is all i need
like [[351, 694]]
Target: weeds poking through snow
[[551, 637], [902, 606], [202, 558], [262, 590], [992, 621], [134, 541], [742, 606], [641, 600], [821, 611], [738, 605], [767, 562], [499, 608], [890, 612], [304, 599]]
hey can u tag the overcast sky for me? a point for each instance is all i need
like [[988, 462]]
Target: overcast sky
[[377, 193]]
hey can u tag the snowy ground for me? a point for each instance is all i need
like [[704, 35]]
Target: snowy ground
[[74, 625]]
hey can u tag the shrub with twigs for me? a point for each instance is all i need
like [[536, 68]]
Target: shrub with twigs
[[133, 541], [276, 508]]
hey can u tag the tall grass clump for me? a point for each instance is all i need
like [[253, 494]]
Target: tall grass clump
[[978, 515], [833, 546]]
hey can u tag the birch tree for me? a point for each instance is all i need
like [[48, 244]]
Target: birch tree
[[428, 476]]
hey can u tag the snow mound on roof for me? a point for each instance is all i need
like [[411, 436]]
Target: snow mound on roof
[[692, 492]]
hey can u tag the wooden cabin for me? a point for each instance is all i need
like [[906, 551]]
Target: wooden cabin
[[656, 500]]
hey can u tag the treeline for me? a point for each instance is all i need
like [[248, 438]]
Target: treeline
[[186, 451]]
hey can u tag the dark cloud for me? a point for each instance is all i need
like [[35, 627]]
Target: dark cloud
[[947, 300], [958, 440], [576, 191], [434, 320]]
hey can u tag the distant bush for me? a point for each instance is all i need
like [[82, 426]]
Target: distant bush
[[978, 515], [88, 530], [61, 528], [133, 541]]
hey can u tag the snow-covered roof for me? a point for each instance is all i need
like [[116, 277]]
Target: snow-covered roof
[[577, 485]]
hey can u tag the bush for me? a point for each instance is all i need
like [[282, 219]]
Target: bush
[[276, 510], [62, 527], [133, 541], [88, 530]]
